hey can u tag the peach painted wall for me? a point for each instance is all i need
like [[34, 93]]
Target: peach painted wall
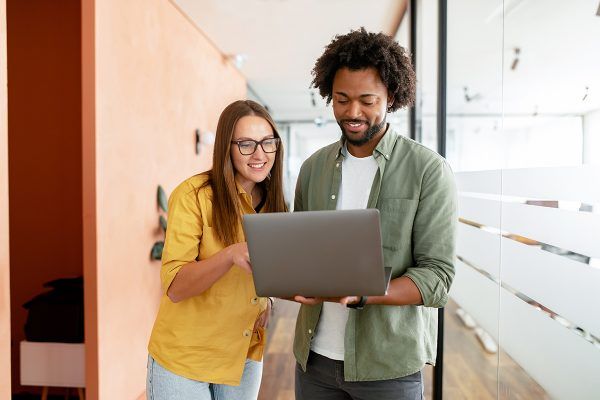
[[157, 79], [44, 139], [4, 257]]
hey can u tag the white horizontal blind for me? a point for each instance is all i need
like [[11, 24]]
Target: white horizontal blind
[[534, 235]]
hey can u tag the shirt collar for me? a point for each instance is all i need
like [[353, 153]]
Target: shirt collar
[[384, 147], [240, 189]]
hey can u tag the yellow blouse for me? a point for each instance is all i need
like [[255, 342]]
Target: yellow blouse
[[207, 337]]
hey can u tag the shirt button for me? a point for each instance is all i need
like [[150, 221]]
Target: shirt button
[[247, 332], [333, 197], [254, 300], [310, 331], [337, 165]]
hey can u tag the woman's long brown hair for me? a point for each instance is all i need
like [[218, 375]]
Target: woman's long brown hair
[[227, 210]]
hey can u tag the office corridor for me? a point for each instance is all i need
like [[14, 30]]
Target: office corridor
[[470, 372]]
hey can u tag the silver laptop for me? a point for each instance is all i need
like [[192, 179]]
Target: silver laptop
[[317, 253]]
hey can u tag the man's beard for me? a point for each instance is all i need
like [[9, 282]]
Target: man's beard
[[371, 131]]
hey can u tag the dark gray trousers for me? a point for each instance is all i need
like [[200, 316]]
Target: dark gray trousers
[[324, 380]]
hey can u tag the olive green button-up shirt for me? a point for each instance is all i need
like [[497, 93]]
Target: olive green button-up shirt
[[415, 193]]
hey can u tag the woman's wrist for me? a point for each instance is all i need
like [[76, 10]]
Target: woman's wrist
[[229, 256]]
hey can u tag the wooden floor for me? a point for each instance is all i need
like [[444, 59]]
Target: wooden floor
[[469, 372]]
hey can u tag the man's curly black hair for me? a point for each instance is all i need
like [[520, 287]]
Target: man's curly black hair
[[360, 49]]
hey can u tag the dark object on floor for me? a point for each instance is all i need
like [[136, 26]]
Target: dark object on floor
[[56, 315]]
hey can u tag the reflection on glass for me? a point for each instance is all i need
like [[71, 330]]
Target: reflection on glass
[[550, 71], [427, 70], [522, 97], [474, 126]]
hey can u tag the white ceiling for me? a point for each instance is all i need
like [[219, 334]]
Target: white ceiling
[[283, 38], [559, 44], [559, 50]]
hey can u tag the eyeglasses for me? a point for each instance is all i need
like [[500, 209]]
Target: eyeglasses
[[249, 146]]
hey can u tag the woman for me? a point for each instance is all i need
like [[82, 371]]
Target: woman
[[209, 335]]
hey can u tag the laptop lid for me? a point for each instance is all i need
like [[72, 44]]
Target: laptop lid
[[316, 253]]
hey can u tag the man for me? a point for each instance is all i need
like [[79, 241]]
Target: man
[[375, 348]]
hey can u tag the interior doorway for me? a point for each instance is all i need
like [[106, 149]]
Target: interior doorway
[[44, 155]]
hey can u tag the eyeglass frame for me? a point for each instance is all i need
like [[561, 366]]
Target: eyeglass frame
[[256, 143]]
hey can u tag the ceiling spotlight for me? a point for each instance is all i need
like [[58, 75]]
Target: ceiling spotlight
[[586, 93], [515, 62], [312, 99], [470, 97]]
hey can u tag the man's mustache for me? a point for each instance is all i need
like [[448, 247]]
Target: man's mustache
[[354, 121]]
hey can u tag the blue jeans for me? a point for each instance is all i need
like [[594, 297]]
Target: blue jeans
[[162, 384]]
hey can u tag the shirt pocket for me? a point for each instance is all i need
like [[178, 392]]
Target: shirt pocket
[[397, 217]]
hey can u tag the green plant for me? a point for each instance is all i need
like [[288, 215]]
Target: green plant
[[161, 199]]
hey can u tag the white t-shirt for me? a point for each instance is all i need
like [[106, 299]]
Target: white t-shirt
[[357, 179]]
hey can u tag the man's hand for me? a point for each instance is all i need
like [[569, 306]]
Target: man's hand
[[311, 301]]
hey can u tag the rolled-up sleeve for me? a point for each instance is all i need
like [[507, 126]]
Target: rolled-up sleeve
[[184, 232], [434, 235]]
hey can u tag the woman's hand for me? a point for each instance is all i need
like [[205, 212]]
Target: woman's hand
[[238, 254], [196, 277], [263, 318]]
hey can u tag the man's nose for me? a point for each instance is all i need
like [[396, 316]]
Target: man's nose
[[354, 111]]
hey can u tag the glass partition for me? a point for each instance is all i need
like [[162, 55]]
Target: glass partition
[[474, 135], [427, 72], [549, 324], [523, 137]]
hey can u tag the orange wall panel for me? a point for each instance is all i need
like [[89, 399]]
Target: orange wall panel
[[88, 173], [4, 243], [44, 139], [157, 79]]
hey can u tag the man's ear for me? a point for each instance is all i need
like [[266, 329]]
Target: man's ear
[[390, 103]]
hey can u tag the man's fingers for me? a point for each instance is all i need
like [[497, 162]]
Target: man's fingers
[[349, 300], [310, 301]]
